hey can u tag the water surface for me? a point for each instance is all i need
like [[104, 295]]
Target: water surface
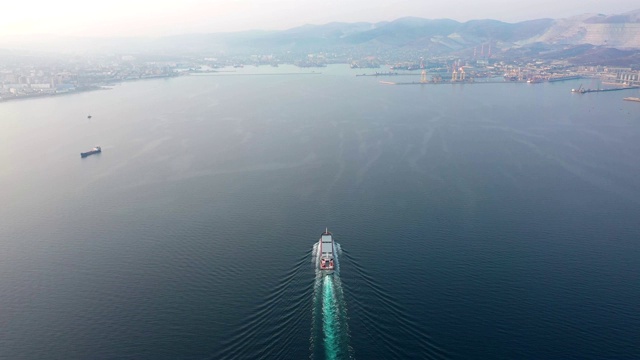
[[476, 221]]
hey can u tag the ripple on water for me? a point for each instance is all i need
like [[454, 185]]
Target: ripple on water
[[282, 314], [378, 311]]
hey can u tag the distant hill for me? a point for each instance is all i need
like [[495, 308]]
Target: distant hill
[[410, 34], [620, 31]]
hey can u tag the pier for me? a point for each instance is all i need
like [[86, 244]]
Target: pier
[[581, 90], [452, 82], [383, 74]]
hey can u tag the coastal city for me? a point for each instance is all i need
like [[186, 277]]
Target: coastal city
[[34, 76], [321, 180]]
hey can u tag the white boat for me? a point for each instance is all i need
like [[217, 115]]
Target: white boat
[[326, 251]]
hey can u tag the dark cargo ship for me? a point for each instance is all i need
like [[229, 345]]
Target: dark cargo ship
[[95, 150]]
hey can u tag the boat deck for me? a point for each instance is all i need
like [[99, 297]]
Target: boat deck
[[326, 246]]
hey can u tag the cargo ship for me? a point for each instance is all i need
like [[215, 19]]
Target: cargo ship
[[95, 150], [326, 249], [632, 99]]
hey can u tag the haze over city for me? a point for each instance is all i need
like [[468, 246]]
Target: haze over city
[[164, 17], [296, 179]]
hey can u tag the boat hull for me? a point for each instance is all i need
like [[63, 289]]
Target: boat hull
[[95, 150]]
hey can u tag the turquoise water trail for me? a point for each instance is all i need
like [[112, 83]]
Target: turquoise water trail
[[330, 316], [330, 335]]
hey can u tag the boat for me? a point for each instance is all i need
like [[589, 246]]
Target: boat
[[95, 150], [88, 116], [326, 250], [579, 90], [632, 99]]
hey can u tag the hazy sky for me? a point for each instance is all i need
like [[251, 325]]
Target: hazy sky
[[163, 17]]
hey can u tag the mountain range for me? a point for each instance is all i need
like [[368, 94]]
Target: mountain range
[[434, 37]]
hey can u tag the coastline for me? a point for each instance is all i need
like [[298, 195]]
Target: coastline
[[42, 95], [80, 89]]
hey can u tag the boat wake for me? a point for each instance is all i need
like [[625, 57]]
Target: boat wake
[[375, 310], [329, 333], [273, 328]]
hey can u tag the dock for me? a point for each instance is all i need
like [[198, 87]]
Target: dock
[[564, 78], [584, 91], [447, 82], [383, 74]]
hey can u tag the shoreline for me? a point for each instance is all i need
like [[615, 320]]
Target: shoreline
[[87, 88], [44, 95]]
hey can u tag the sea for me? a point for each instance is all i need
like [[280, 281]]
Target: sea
[[471, 221]]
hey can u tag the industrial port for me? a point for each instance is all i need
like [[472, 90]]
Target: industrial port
[[480, 72]]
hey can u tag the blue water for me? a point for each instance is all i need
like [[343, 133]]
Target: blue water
[[476, 221], [330, 330], [330, 319]]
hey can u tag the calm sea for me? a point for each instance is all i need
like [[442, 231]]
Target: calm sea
[[484, 221]]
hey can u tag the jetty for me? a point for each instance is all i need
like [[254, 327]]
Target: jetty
[[582, 90]]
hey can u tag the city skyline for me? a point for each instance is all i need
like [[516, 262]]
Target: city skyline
[[162, 17]]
